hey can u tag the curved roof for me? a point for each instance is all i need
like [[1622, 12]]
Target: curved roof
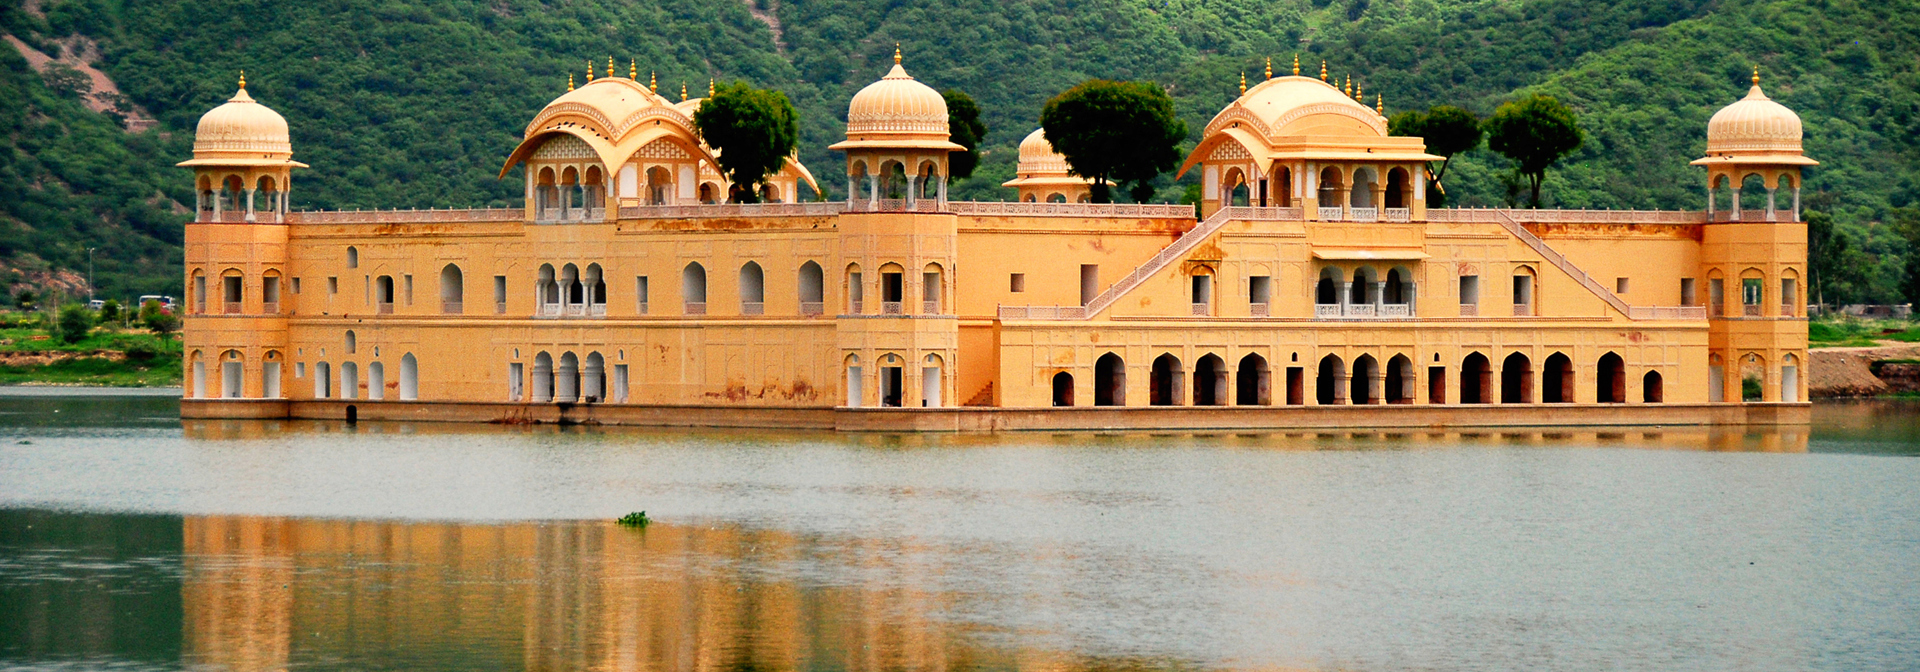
[[1300, 118], [1280, 102], [242, 132], [897, 112], [1039, 164], [616, 116]]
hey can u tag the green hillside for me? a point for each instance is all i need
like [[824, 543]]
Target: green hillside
[[415, 103]]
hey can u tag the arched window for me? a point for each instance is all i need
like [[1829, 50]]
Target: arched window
[[931, 281], [233, 375], [1281, 188], [893, 289], [753, 289], [593, 289], [1399, 288], [856, 389], [353, 257], [383, 294], [693, 288], [1238, 193], [1399, 189], [660, 186], [1652, 389], [813, 291], [452, 290], [547, 291], [270, 292], [1332, 184], [232, 291], [1110, 381], [1326, 292], [566, 379], [1056, 198], [856, 289], [1789, 378], [349, 381], [1364, 180], [1400, 377], [409, 377], [1363, 293], [543, 378], [572, 293], [352, 343], [1523, 286], [1063, 389], [322, 381], [593, 379], [932, 381], [376, 380], [270, 374]]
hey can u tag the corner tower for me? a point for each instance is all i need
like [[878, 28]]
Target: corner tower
[[235, 331], [897, 143], [1755, 258]]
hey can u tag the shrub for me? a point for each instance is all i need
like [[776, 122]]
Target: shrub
[[635, 519], [74, 323], [1750, 389], [110, 311]]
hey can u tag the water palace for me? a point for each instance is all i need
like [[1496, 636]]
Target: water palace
[[1314, 289]]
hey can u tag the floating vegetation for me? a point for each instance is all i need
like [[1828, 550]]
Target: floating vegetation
[[635, 519]]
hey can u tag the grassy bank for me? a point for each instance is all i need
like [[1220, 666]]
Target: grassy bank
[[1859, 333], [110, 355]]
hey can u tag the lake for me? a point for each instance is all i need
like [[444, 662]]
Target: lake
[[130, 540]]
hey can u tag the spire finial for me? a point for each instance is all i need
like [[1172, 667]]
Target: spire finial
[[1243, 82], [243, 78], [1349, 86], [709, 87], [1323, 71], [1360, 94], [896, 53], [633, 69], [1269, 67], [1296, 65], [589, 69], [683, 92], [610, 66], [569, 81], [1379, 105], [1756, 75], [653, 82]]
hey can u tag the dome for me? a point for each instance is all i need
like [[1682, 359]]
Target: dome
[[609, 105], [1754, 124], [1037, 155], [1280, 102], [897, 104], [241, 132]]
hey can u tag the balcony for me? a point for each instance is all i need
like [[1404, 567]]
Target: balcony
[[892, 308], [1364, 214], [753, 308], [1399, 214], [575, 310], [557, 216], [596, 310], [383, 308], [452, 307], [696, 308], [1336, 311], [1333, 214], [1400, 310], [813, 308], [548, 310]]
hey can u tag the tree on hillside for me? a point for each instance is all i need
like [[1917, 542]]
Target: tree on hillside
[[1448, 130], [1535, 132], [75, 322], [1906, 223], [1115, 133], [963, 121], [753, 130]]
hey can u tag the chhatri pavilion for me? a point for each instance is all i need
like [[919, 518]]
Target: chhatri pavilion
[[1315, 288]]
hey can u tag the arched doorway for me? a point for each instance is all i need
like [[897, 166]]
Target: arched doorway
[[1110, 381], [1063, 389], [1165, 382], [1556, 385], [1610, 380], [1476, 380], [1366, 376], [1210, 381], [1516, 379], [1652, 389], [1400, 380], [1330, 383], [1253, 384]]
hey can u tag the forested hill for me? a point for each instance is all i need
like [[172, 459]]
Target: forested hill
[[415, 103]]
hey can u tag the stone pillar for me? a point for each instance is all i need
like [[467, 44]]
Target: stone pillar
[[1796, 203], [1770, 210], [1379, 295], [1343, 383], [1710, 200], [250, 213], [943, 192], [851, 194], [913, 187], [1376, 387], [1736, 203], [873, 191]]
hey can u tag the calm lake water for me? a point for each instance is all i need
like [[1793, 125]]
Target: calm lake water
[[132, 541]]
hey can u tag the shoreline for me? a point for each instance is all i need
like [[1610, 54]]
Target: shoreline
[[79, 390]]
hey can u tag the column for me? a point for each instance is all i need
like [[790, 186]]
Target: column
[[913, 186], [216, 194], [943, 192], [1736, 203], [873, 191], [850, 192], [1376, 386], [1379, 295], [1770, 203], [250, 193], [1796, 202], [1346, 297], [1709, 199]]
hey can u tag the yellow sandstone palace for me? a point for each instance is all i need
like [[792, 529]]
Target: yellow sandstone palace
[[1315, 290]]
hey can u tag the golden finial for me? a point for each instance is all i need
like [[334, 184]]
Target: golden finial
[[1296, 65], [1243, 82], [569, 81], [633, 69], [1756, 76], [243, 78], [1269, 67], [610, 67], [1379, 105], [896, 53], [683, 92], [1349, 86], [1360, 94], [653, 82], [709, 87], [589, 69], [1323, 71]]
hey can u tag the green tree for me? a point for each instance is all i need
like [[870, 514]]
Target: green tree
[[75, 322], [1115, 133], [1906, 223], [963, 121], [25, 299], [1448, 130], [110, 311], [1534, 132], [157, 319], [753, 130]]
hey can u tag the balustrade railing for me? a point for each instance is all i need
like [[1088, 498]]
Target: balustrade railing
[[1333, 214], [451, 307], [812, 308], [232, 308], [892, 308], [499, 307], [1398, 214], [576, 310], [929, 307], [727, 210], [1364, 214], [753, 308], [548, 310], [384, 308], [696, 308], [1043, 313], [1396, 310], [1469, 310], [856, 307], [596, 310], [1750, 310], [1201, 310], [1140, 210], [270, 307], [1668, 313], [1259, 310], [408, 216], [1523, 310], [1326, 310]]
